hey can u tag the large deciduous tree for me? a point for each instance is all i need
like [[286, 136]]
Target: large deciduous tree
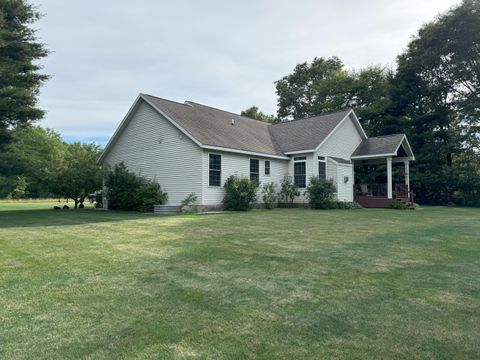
[[254, 113], [34, 155], [324, 85], [79, 174], [436, 94], [20, 76]]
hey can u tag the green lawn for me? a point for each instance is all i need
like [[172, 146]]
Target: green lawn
[[281, 284]]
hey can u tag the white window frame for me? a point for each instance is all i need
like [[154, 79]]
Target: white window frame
[[265, 167], [250, 169], [221, 166], [300, 160], [322, 161]]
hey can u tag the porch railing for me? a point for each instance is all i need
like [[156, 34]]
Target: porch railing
[[371, 190], [381, 190]]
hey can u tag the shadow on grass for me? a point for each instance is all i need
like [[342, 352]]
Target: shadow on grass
[[50, 217]]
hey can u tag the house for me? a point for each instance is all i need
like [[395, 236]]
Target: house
[[193, 148]]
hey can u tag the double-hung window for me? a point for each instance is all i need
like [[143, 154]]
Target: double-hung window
[[214, 170], [267, 167], [254, 169], [322, 167], [300, 171]]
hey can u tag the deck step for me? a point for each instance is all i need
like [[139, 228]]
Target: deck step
[[166, 209]]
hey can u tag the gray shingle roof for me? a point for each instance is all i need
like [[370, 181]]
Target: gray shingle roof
[[306, 134], [211, 126], [214, 127], [379, 145]]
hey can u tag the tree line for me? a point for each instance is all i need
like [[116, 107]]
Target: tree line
[[432, 95]]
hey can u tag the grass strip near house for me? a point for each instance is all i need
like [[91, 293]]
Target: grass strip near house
[[281, 284]]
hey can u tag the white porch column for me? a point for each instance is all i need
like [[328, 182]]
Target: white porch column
[[407, 174], [389, 177]]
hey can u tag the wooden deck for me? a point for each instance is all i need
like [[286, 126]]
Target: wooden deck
[[375, 195], [377, 201]]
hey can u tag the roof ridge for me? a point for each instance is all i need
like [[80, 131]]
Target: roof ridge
[[314, 116], [160, 98], [228, 112]]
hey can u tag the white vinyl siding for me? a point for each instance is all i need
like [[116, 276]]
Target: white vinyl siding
[[337, 173], [345, 189], [343, 141], [238, 164], [153, 148]]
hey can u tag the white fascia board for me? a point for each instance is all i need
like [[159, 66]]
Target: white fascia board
[[238, 151], [337, 163], [364, 135], [299, 152], [118, 130], [376, 156], [412, 156]]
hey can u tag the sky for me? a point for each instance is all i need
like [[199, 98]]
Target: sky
[[225, 54]]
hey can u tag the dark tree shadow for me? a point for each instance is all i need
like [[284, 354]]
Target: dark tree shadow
[[50, 217]]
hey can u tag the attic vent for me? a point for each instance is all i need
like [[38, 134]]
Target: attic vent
[[233, 121]]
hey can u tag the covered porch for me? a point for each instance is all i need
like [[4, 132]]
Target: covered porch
[[383, 153]]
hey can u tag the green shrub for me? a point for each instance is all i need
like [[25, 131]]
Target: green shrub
[[348, 205], [269, 195], [288, 191], [127, 191], [150, 193], [397, 204], [240, 193], [321, 194], [186, 204]]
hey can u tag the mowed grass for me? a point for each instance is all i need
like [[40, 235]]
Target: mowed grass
[[281, 284]]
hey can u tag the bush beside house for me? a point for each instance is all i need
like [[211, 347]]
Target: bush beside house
[[240, 193], [127, 191], [321, 193], [269, 195]]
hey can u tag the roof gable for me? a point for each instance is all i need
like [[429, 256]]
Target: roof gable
[[308, 133], [380, 146]]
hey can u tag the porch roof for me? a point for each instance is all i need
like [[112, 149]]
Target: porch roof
[[383, 146]]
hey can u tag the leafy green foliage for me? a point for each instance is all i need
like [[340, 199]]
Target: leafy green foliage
[[324, 86], [269, 195], [20, 188], [79, 173], [254, 113], [288, 191], [435, 93], [187, 203], [127, 191], [240, 193], [20, 79], [397, 204], [321, 193], [36, 154], [348, 205]]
